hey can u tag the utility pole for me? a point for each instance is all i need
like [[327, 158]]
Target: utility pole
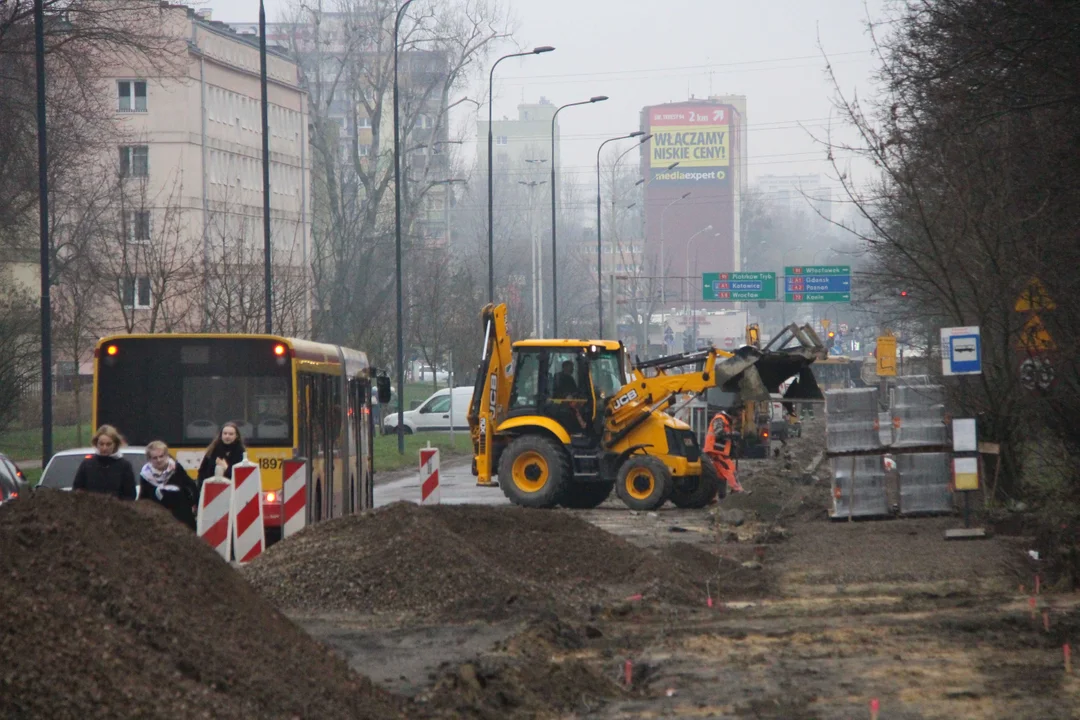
[[267, 272], [43, 213]]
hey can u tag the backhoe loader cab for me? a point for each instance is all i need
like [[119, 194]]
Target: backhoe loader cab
[[563, 422]]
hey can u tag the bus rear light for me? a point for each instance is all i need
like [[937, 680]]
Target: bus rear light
[[279, 350], [111, 350]]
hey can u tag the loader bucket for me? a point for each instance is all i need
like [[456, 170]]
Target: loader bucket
[[753, 375]]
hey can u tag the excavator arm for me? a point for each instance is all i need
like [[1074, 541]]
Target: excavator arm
[[491, 391]]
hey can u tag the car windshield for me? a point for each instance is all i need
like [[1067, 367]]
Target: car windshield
[[60, 473]]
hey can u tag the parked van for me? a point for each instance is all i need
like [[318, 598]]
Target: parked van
[[433, 415]]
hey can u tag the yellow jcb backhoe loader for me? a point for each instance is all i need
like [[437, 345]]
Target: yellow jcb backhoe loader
[[562, 422]]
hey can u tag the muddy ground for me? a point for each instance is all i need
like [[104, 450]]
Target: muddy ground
[[809, 618]]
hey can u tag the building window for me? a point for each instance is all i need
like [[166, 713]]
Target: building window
[[364, 122], [364, 150], [138, 226], [132, 95], [135, 292], [500, 140], [134, 161]]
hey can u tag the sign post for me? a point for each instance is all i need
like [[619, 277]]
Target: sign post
[[965, 474], [817, 283]]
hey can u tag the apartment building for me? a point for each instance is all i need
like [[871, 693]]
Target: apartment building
[[189, 174]]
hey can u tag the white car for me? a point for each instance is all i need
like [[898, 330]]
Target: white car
[[433, 415], [59, 474]]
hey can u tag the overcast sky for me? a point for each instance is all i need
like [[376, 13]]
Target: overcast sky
[[642, 53]]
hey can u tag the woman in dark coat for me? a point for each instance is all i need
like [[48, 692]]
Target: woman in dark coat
[[164, 481], [107, 471], [226, 450]]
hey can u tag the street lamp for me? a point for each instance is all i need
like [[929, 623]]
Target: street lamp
[[554, 255], [397, 244], [663, 240], [491, 182], [686, 279], [534, 253], [783, 306], [599, 261]]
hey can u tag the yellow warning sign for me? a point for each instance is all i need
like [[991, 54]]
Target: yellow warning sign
[[1034, 298], [1034, 336], [886, 355], [825, 323]]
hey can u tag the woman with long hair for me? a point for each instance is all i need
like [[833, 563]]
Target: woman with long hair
[[106, 471], [226, 450]]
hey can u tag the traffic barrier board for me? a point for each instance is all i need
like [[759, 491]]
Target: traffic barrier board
[[213, 523], [429, 476], [247, 511], [294, 496]]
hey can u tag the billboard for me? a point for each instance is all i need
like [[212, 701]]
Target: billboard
[[697, 137]]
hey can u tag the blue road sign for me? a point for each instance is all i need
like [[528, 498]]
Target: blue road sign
[[961, 351], [817, 283]]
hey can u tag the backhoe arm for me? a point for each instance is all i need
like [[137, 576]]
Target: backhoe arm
[[491, 390]]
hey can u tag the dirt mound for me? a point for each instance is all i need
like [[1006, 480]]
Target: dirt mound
[[115, 610], [532, 674], [461, 560], [727, 578]]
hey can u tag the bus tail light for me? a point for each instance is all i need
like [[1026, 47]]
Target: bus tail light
[[279, 350], [111, 350]]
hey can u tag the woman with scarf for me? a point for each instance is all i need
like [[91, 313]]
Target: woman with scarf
[[164, 481], [106, 471], [226, 450]]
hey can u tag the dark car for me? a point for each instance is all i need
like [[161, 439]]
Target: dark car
[[9, 469], [59, 474]]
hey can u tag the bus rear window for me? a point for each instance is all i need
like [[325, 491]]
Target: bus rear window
[[181, 390]]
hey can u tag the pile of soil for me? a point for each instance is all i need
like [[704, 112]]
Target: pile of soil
[[532, 674], [465, 560], [114, 609]]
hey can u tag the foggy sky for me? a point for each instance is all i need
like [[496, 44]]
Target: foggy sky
[[641, 53]]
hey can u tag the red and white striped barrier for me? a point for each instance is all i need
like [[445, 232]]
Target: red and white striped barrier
[[214, 521], [429, 476], [294, 496], [247, 512]]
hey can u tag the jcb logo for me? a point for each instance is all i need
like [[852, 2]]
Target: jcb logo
[[493, 393], [628, 397]]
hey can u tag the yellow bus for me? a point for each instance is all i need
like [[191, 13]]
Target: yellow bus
[[290, 398]]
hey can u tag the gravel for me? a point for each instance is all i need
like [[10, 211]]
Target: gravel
[[114, 609], [466, 561]]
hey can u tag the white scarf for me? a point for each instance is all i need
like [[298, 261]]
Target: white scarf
[[155, 477]]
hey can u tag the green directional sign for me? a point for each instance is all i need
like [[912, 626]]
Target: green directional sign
[[821, 297], [817, 270], [730, 286]]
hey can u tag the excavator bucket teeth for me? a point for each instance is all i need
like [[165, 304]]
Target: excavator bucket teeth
[[755, 375], [804, 387], [730, 368]]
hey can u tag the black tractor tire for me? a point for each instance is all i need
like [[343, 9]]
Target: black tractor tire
[[644, 482], [697, 492], [586, 495], [534, 471]]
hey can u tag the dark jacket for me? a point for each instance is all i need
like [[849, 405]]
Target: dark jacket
[[180, 502], [106, 474], [232, 453]]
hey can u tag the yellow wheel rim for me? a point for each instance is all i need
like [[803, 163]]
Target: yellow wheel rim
[[530, 472], [640, 484]]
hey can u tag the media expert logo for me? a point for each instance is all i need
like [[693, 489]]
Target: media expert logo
[[697, 138]]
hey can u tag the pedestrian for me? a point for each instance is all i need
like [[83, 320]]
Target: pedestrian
[[106, 471], [164, 481], [226, 450]]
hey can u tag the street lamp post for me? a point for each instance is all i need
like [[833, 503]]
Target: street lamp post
[[534, 247], [686, 278], [783, 306], [491, 182], [397, 243], [554, 254], [663, 267], [690, 309], [267, 278], [599, 256], [43, 228]]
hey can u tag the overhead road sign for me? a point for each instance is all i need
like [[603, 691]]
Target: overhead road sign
[[961, 351], [817, 283], [738, 286]]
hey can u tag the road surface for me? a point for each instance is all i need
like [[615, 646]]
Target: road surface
[[457, 486]]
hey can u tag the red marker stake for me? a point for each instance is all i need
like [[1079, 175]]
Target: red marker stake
[[875, 707], [634, 598], [628, 673], [1068, 657], [1031, 604], [1037, 584]]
